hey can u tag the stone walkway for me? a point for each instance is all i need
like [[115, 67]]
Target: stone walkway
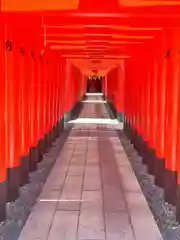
[[91, 192]]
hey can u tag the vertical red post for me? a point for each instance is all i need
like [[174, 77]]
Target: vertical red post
[[12, 107], [36, 108], [161, 107], [3, 142], [59, 97], [23, 76], [68, 87], [153, 70], [172, 95], [146, 111], [33, 107], [48, 101], [127, 99], [120, 93]]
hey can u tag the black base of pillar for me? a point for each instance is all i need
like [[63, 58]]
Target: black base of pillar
[[42, 145], [138, 143], [130, 133], [57, 132], [113, 112], [39, 155], [47, 142], [170, 186], [25, 169], [151, 161], [142, 148], [159, 172], [144, 152], [67, 118], [178, 204], [120, 117], [52, 134], [3, 199], [125, 127], [62, 124], [72, 112], [13, 183], [49, 139], [133, 136], [128, 129], [60, 127], [34, 155], [78, 109]]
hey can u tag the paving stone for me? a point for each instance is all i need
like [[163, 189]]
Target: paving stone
[[76, 170], [113, 199], [92, 170], [141, 217], [118, 226], [39, 222], [64, 226], [92, 183], [91, 221], [71, 195], [128, 180]]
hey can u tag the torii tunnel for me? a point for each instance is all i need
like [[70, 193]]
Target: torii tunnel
[[48, 51]]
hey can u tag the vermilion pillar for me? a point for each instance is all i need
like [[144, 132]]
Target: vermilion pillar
[[35, 117], [48, 101], [172, 94], [105, 85], [161, 107], [134, 103], [153, 71], [3, 141], [146, 110], [12, 108], [55, 94], [24, 67], [130, 84], [127, 101], [60, 93], [40, 92], [43, 104], [68, 87], [120, 93], [140, 129], [113, 89], [54, 97], [44, 72], [32, 93], [178, 157]]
